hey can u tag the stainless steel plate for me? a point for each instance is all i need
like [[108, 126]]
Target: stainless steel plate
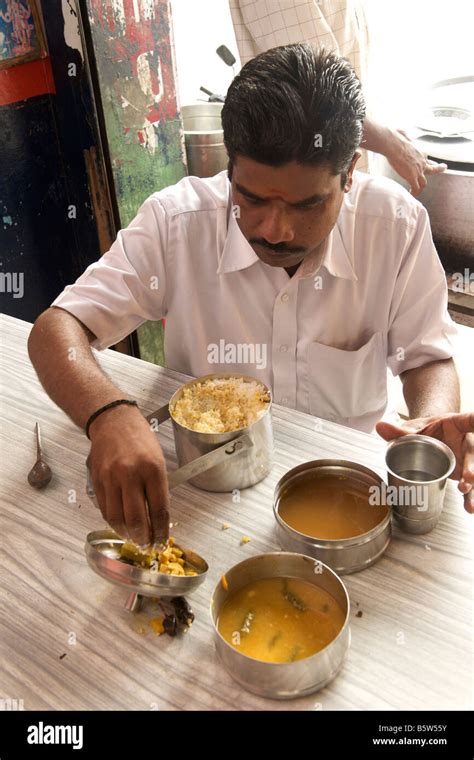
[[102, 550]]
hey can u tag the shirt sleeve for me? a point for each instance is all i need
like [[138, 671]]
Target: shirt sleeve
[[127, 286], [420, 328]]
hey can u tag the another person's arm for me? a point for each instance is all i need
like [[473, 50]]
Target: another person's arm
[[402, 154]]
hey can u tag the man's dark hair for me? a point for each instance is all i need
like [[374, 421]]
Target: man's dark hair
[[285, 98]]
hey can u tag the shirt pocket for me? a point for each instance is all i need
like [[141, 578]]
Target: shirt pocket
[[347, 384]]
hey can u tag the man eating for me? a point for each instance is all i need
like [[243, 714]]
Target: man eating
[[328, 275]]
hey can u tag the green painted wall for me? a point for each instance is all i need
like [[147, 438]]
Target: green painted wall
[[137, 79]]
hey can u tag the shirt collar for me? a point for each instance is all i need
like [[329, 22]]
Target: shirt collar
[[337, 259], [238, 254]]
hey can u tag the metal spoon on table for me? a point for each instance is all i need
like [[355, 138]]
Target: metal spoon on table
[[40, 474]]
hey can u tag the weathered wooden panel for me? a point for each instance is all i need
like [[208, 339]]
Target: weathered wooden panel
[[133, 52]]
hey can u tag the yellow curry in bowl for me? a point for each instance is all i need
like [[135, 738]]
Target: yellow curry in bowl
[[280, 619]]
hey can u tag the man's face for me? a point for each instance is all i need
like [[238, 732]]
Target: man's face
[[286, 212]]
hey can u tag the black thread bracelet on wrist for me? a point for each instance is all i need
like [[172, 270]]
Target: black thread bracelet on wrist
[[104, 408]]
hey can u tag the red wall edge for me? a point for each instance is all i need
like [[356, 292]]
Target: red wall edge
[[25, 81]]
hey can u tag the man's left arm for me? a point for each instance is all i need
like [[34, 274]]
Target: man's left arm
[[433, 398], [432, 389], [454, 428], [420, 351], [432, 393]]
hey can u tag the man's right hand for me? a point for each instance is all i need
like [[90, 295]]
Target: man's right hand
[[128, 472]]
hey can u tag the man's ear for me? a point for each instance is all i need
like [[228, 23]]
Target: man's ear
[[355, 158]]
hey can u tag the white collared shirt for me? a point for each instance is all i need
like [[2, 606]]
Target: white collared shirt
[[322, 339]]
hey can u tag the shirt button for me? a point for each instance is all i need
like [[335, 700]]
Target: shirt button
[[285, 297], [283, 348]]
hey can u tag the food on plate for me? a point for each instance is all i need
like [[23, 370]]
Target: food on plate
[[280, 619], [169, 560], [221, 405]]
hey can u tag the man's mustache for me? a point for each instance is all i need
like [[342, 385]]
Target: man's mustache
[[277, 247]]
